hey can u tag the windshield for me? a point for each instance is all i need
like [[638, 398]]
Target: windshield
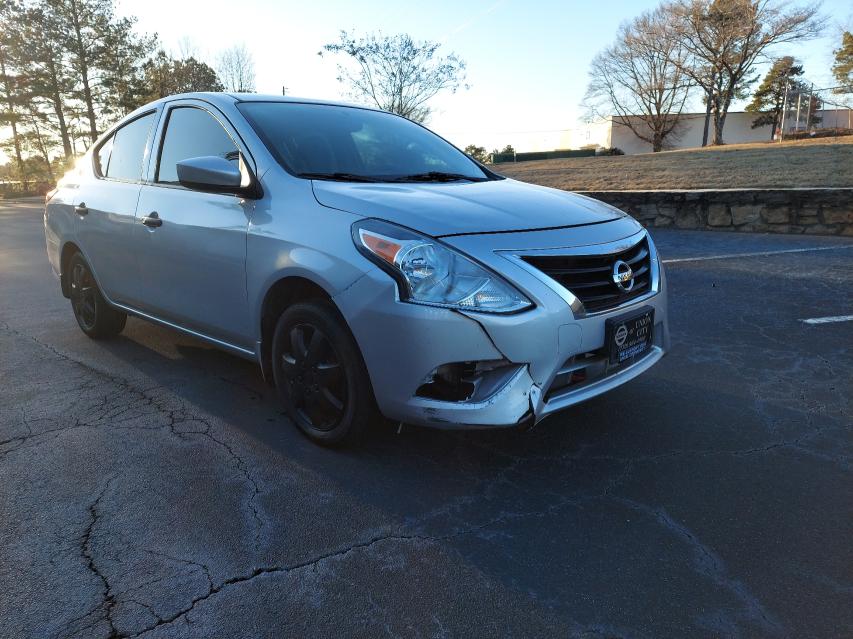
[[322, 141]]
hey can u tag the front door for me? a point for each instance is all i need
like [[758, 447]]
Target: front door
[[190, 246]]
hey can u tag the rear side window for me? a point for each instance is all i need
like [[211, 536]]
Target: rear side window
[[192, 133], [102, 156], [123, 159]]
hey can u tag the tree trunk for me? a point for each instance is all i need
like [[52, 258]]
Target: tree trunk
[[42, 147], [83, 69], [87, 97], [57, 107], [719, 123], [707, 120], [12, 119], [720, 119]]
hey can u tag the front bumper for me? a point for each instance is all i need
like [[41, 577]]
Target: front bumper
[[403, 345]]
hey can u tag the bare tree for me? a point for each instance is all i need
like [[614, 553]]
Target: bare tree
[[725, 39], [640, 80], [236, 69], [397, 73]]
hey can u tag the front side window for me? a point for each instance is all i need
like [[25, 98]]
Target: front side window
[[321, 140], [192, 133], [123, 159]]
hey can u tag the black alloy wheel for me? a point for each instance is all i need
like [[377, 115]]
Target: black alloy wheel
[[319, 374], [313, 370], [94, 315], [83, 299]]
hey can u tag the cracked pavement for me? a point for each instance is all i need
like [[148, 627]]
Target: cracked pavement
[[151, 487]]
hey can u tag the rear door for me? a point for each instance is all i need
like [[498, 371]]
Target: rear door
[[192, 265], [106, 206]]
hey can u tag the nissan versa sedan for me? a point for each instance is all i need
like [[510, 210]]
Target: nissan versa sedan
[[365, 263]]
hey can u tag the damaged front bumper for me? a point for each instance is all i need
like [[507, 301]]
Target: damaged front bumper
[[515, 369]]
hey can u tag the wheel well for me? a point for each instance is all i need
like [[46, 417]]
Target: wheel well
[[283, 293], [69, 249]]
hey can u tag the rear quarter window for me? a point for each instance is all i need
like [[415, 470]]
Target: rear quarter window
[[102, 156], [120, 157]]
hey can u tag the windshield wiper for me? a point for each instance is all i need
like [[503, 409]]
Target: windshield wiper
[[438, 176], [339, 177]]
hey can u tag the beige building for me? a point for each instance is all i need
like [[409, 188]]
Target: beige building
[[610, 133]]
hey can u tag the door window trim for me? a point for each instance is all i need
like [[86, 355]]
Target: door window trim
[[163, 128], [146, 152]]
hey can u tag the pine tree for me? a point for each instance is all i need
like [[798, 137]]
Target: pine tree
[[42, 62], [164, 75], [104, 53], [843, 67], [768, 100], [10, 86]]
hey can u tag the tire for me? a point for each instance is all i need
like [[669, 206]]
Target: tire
[[93, 313], [320, 376]]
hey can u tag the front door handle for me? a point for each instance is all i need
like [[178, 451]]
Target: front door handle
[[81, 209], [152, 220]]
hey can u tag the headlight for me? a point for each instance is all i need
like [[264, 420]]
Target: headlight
[[428, 272]]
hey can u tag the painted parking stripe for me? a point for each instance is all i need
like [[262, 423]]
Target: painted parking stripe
[[828, 320], [732, 256]]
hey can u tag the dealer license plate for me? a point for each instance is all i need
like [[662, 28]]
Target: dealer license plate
[[629, 336]]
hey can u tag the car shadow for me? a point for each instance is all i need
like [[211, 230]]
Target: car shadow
[[233, 390]]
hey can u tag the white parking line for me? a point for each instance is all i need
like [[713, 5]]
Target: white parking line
[[758, 254], [828, 320]]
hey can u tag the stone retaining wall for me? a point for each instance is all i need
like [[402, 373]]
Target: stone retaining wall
[[818, 211]]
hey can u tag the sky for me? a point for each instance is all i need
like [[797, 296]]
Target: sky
[[527, 60]]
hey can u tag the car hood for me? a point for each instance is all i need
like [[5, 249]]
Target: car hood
[[461, 208]]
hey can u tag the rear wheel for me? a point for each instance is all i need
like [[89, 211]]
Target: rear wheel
[[94, 315], [320, 376]]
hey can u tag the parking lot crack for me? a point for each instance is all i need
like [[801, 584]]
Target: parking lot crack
[[302, 565], [105, 410], [707, 563], [176, 418], [108, 602]]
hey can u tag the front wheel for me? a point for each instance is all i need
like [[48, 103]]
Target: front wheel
[[320, 376], [93, 313]]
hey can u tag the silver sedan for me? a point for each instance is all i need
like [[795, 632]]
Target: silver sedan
[[365, 263]]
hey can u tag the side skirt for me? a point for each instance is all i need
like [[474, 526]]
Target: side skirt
[[245, 353]]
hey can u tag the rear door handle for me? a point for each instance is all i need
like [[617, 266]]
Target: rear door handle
[[152, 220], [81, 209]]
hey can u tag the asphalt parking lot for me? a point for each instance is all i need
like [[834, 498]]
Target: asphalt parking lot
[[150, 486]]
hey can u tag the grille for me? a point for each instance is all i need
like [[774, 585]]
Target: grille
[[589, 277]]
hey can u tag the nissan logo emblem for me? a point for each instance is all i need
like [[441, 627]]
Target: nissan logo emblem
[[623, 275]]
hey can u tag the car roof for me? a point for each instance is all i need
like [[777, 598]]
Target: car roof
[[223, 100], [231, 98]]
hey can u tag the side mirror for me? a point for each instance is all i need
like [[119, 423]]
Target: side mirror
[[217, 175]]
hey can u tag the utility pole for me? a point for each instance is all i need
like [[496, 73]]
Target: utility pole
[[799, 100], [809, 109]]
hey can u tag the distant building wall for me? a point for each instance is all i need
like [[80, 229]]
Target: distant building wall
[[738, 129]]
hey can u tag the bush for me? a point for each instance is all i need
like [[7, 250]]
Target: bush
[[818, 133], [614, 150]]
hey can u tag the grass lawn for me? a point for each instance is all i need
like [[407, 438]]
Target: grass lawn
[[801, 163]]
